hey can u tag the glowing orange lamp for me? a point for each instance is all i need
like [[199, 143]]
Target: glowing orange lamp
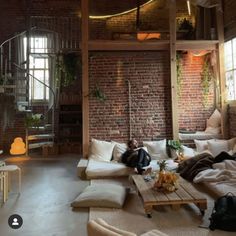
[[18, 147]]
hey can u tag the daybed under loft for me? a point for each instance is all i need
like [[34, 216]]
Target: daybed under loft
[[213, 130]]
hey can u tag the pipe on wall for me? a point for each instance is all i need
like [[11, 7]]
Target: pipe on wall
[[130, 106]]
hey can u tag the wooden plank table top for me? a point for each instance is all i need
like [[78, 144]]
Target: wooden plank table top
[[186, 193]]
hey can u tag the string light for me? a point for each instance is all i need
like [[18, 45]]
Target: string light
[[121, 13]]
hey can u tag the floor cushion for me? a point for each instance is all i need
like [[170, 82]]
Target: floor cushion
[[112, 228], [101, 195]]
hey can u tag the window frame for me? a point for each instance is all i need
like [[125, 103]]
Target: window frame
[[34, 54], [231, 70]]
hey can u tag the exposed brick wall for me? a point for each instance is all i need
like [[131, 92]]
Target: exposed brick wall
[[192, 112], [149, 76]]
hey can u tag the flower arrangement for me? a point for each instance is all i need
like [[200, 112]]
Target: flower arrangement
[[165, 180]]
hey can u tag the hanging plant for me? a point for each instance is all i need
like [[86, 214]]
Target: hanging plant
[[98, 94], [206, 79], [67, 68], [179, 72]]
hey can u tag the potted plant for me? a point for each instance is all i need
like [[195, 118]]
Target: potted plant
[[174, 148], [33, 120], [186, 26]]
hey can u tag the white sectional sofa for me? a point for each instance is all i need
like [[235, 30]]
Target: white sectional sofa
[[105, 159]]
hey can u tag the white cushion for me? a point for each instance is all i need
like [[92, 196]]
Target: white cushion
[[234, 149], [217, 146], [97, 169], [93, 228], [101, 195], [114, 229], [156, 149], [215, 119], [118, 150], [231, 143], [188, 152], [101, 150], [154, 232], [201, 145], [213, 130], [171, 165]]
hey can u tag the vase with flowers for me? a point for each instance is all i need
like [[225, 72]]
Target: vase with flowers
[[165, 180]]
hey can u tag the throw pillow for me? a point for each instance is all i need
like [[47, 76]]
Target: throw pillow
[[156, 149], [231, 143], [113, 228], [101, 150], [215, 119], [234, 149], [101, 195], [217, 146], [213, 130], [188, 152], [201, 145], [118, 150]]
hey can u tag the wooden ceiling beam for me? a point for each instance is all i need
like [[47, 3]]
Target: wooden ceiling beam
[[196, 45], [118, 45]]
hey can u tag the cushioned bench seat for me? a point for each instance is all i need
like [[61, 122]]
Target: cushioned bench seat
[[96, 169]]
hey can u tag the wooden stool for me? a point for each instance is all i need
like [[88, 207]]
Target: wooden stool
[[2, 182], [5, 172]]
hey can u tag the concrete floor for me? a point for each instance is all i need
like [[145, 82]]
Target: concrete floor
[[48, 188]]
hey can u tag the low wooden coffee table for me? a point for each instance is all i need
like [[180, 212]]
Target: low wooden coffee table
[[186, 193]]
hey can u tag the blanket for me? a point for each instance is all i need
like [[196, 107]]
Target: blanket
[[221, 179], [223, 171], [189, 168]]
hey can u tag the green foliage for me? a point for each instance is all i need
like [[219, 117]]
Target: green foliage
[[174, 144], [98, 93], [179, 72], [68, 66], [206, 78], [32, 120]]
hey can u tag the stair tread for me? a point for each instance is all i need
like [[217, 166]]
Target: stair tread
[[41, 144], [40, 136], [46, 127], [8, 86]]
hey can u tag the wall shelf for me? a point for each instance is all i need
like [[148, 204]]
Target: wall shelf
[[70, 128]]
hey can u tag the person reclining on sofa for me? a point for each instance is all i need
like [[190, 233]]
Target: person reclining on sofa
[[136, 157]]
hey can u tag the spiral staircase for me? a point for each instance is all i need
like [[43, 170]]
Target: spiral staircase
[[15, 82]]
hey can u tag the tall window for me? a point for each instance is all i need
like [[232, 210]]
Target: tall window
[[230, 68], [39, 68]]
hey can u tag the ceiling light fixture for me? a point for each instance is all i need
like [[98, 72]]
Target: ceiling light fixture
[[189, 7]]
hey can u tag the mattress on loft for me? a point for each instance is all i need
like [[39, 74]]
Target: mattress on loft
[[198, 135]]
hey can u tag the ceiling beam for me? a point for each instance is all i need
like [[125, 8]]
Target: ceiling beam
[[119, 45], [196, 44]]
